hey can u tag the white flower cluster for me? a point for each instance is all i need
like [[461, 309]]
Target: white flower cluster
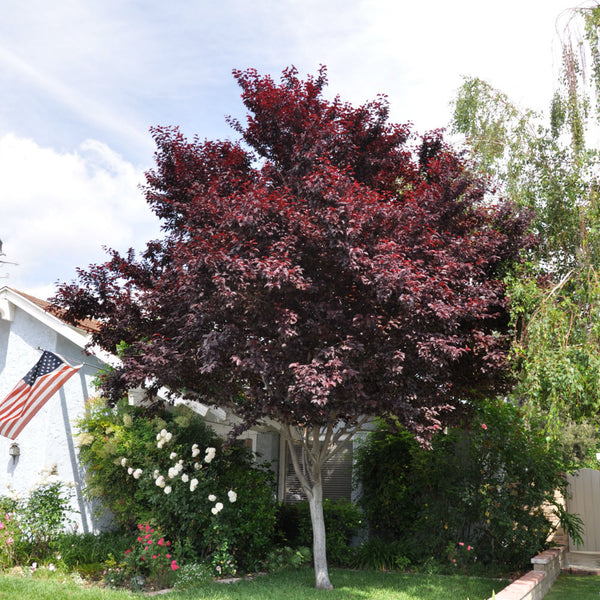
[[137, 473], [176, 470], [210, 454], [85, 438], [163, 437], [47, 476], [12, 493], [218, 507]]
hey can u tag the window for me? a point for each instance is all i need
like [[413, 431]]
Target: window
[[336, 476]]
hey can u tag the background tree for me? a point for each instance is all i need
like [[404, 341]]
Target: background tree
[[318, 273], [547, 163]]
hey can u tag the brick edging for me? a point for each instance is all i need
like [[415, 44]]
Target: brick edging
[[535, 584]]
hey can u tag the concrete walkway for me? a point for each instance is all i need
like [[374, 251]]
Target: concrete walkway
[[582, 562]]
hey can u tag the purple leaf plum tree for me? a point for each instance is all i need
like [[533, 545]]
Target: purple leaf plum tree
[[326, 269]]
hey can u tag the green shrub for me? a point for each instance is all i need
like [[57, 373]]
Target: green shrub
[[383, 467], [483, 485], [342, 522], [84, 551], [381, 555], [286, 557], [154, 468], [30, 524], [43, 515], [14, 548]]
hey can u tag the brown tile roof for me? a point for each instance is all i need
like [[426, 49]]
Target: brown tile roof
[[89, 325]]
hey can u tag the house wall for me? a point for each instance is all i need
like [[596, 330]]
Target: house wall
[[48, 438]]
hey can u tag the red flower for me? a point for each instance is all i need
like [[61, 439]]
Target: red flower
[[483, 426]]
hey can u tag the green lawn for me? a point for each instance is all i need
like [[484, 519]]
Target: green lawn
[[575, 587], [288, 585]]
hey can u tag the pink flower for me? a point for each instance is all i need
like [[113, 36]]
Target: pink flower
[[461, 543], [128, 551], [161, 542], [469, 547], [154, 556], [174, 566], [168, 556], [148, 536], [483, 426], [139, 539], [1, 525]]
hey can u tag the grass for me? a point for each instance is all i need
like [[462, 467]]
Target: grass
[[18, 588], [574, 587], [288, 585]]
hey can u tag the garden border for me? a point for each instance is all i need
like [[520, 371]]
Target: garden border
[[534, 585]]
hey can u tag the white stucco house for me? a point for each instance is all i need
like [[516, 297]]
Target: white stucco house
[[26, 329]]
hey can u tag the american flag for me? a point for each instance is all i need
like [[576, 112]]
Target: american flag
[[31, 393]]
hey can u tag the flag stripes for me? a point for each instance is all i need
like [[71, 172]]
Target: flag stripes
[[31, 393]]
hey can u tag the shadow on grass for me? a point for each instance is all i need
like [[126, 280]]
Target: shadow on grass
[[349, 585], [289, 585]]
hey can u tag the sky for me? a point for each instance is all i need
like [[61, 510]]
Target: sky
[[83, 81]]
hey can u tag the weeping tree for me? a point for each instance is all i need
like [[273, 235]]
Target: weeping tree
[[549, 163], [325, 269]]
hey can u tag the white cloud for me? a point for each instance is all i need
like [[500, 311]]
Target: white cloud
[[78, 103], [59, 209]]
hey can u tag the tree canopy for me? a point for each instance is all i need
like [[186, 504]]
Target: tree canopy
[[549, 163], [325, 268]]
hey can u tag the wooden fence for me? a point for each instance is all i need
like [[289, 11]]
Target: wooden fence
[[584, 500]]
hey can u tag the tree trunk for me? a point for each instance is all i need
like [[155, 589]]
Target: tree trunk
[[313, 488], [315, 501]]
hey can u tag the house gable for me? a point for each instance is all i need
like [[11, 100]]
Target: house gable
[[27, 328]]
